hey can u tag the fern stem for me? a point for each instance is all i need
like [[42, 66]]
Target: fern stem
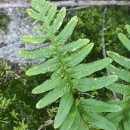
[[62, 63], [103, 42], [59, 54]]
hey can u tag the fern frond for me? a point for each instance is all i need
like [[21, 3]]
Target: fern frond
[[125, 41], [47, 85], [92, 105], [52, 96], [35, 38], [65, 105], [122, 60], [47, 66], [72, 120], [63, 61], [121, 119], [46, 52], [121, 73], [98, 121], [120, 88], [127, 28], [83, 70], [93, 83]]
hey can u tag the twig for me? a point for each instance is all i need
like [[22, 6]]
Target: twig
[[49, 122], [103, 41], [77, 8], [103, 32], [68, 4]]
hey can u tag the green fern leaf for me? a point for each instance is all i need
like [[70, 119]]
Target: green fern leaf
[[34, 39], [119, 59], [35, 14], [42, 10], [73, 46], [67, 31], [48, 66], [121, 119], [67, 125], [121, 73], [82, 125], [41, 52], [45, 8], [51, 13], [52, 96], [127, 28], [58, 21], [76, 122], [37, 4], [64, 108], [56, 74], [115, 118], [92, 105], [120, 88], [118, 118], [98, 121], [84, 70], [89, 84], [77, 57], [125, 41], [47, 85], [127, 124]]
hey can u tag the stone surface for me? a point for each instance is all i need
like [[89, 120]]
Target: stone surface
[[20, 24]]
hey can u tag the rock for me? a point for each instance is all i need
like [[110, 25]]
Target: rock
[[19, 25]]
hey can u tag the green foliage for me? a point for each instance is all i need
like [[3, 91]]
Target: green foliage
[[121, 119], [3, 22], [90, 25], [21, 126], [68, 74], [17, 104]]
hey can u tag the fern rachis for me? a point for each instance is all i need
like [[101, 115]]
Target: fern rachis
[[121, 119]]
